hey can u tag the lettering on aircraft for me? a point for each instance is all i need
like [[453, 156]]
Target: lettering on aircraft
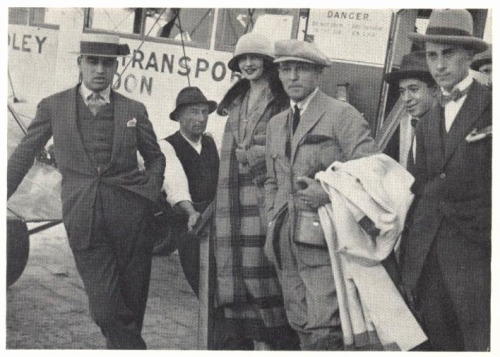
[[131, 83], [26, 42], [183, 66]]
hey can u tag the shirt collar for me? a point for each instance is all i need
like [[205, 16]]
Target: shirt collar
[[85, 92], [465, 83], [304, 102]]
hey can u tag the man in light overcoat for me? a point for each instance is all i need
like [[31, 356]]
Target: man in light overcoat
[[306, 138]]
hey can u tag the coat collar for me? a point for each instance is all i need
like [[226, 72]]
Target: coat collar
[[67, 109], [121, 116], [311, 116], [254, 119], [471, 110]]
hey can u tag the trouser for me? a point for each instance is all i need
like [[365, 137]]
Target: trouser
[[437, 315], [239, 334], [309, 294], [116, 267], [188, 247]]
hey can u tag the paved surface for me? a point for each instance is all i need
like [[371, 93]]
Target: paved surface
[[47, 307]]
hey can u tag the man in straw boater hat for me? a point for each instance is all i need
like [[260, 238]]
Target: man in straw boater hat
[[446, 255], [419, 92], [108, 203], [311, 134], [191, 175]]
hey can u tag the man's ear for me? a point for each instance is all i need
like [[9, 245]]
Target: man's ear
[[435, 91]]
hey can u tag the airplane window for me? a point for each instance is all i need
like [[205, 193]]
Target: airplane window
[[193, 26], [114, 19], [47, 16], [164, 23], [38, 16], [274, 23], [18, 15]]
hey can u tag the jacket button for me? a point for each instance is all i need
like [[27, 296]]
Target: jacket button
[[442, 175]]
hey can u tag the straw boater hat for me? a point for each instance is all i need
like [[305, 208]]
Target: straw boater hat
[[414, 66], [191, 95], [453, 26], [481, 59], [102, 46], [251, 43], [300, 51]]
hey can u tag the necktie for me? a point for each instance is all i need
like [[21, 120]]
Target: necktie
[[296, 117], [413, 122], [455, 95], [95, 102]]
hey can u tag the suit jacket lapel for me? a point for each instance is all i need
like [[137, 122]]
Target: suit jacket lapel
[[435, 141], [310, 117], [234, 118], [468, 114], [121, 115], [67, 112]]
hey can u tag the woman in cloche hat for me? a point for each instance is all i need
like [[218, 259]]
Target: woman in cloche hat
[[248, 290]]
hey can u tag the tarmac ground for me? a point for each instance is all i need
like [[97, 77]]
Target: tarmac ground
[[47, 307]]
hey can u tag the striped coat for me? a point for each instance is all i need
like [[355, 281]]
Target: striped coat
[[245, 278]]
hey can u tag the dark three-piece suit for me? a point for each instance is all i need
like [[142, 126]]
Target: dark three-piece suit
[[108, 202]]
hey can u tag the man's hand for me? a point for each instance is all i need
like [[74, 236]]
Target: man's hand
[[312, 194], [192, 220]]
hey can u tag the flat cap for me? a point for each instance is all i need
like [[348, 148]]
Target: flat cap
[[299, 51]]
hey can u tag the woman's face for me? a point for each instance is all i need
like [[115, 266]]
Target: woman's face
[[251, 66]]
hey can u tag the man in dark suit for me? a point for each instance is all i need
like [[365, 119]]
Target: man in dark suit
[[418, 92], [108, 203], [313, 133], [447, 252]]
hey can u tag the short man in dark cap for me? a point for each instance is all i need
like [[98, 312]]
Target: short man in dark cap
[[108, 203], [197, 153], [313, 133], [447, 253], [418, 92]]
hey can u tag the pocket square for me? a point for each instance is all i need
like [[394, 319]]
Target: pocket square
[[132, 123], [316, 138], [479, 134]]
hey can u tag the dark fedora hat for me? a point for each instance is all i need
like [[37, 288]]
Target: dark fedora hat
[[453, 26], [482, 58], [100, 45], [414, 66], [191, 95]]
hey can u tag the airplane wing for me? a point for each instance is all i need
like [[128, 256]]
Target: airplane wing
[[38, 197]]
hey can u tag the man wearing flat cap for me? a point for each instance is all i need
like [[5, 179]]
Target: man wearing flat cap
[[447, 252], [108, 203], [306, 138], [190, 187], [418, 92]]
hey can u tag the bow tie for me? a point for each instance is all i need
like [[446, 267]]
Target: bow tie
[[455, 95]]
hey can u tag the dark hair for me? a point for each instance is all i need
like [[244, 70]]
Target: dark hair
[[243, 85], [271, 70]]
